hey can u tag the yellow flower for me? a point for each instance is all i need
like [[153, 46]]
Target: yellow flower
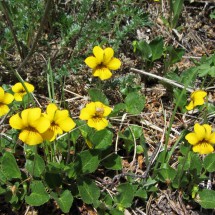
[[102, 62], [60, 122], [32, 124], [197, 98], [202, 139], [95, 113], [19, 90], [5, 100]]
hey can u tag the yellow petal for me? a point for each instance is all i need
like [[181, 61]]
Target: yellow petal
[[198, 97], [192, 138], [98, 123], [29, 87], [50, 110], [17, 88], [4, 109], [98, 53], [211, 139], [67, 124], [91, 62], [49, 135], [1, 94], [30, 137], [16, 122], [103, 73], [114, 64], [208, 130], [200, 131], [41, 124], [61, 115], [33, 115], [8, 98], [203, 148], [18, 96], [190, 106], [108, 54], [107, 110], [88, 112]]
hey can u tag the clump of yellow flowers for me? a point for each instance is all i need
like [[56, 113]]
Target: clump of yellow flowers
[[35, 126]]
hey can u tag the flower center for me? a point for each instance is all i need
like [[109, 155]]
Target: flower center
[[99, 112]]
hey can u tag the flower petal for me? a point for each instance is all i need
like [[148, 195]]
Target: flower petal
[[29, 87], [61, 115], [200, 131], [1, 94], [18, 96], [211, 139], [91, 62], [66, 124], [198, 97], [99, 54], [208, 130], [114, 64], [88, 112], [108, 54], [50, 110], [8, 98], [33, 115], [190, 106], [30, 137], [203, 148], [49, 135], [16, 122], [103, 73], [97, 123], [4, 109], [17, 88], [41, 124], [192, 138]]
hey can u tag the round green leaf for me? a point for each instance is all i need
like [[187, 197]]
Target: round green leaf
[[209, 163], [207, 199], [134, 103], [38, 195], [88, 190]]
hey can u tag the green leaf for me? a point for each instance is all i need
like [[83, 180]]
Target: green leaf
[[175, 55], [118, 108], [126, 195], [156, 46], [35, 166], [209, 162], [88, 161], [177, 8], [65, 201], [102, 139], [166, 174], [141, 193], [134, 103], [98, 95], [38, 195], [113, 162], [207, 199], [144, 49], [88, 190], [10, 167]]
